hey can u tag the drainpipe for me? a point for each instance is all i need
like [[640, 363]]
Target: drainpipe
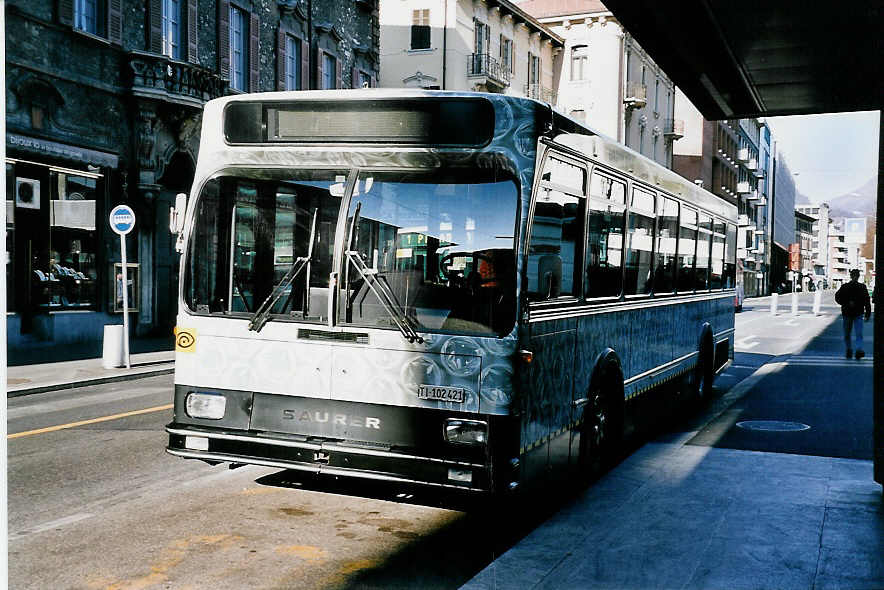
[[444, 41], [621, 110]]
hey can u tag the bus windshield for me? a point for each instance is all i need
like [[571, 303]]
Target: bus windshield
[[252, 227], [430, 251], [439, 243]]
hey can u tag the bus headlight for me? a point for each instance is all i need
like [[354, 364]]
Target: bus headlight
[[205, 405], [465, 432]]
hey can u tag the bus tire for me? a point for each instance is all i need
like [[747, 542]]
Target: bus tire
[[601, 430]]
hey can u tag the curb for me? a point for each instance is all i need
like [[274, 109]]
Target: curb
[[87, 382]]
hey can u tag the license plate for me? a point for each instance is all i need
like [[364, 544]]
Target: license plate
[[441, 393]]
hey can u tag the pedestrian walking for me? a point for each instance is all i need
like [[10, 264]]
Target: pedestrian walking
[[853, 297]]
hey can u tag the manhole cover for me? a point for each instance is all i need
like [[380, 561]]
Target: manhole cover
[[773, 426]]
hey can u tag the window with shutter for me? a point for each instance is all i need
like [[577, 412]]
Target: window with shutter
[[254, 56], [171, 28], [238, 48], [293, 63], [420, 29], [224, 38], [90, 16]]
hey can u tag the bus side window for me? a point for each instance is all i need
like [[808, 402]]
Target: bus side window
[[718, 259], [604, 237], [730, 257], [639, 243], [664, 252], [687, 247], [555, 246], [704, 247]]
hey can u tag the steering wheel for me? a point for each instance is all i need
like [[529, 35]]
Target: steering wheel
[[445, 267]]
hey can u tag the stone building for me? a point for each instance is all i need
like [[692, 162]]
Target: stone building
[[103, 106]]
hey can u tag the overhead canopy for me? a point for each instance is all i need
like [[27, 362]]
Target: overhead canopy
[[762, 58]]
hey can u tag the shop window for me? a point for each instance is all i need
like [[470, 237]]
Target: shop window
[[604, 237], [68, 278], [10, 239]]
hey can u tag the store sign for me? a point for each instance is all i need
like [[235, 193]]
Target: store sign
[[122, 219], [61, 150]]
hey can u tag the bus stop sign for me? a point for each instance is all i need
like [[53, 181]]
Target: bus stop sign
[[122, 219]]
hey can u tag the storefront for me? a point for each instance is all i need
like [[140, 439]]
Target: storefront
[[58, 271]]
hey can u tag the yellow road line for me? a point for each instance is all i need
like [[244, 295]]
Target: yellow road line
[[92, 421]]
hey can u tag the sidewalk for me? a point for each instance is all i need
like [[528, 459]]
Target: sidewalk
[[28, 379], [727, 507]]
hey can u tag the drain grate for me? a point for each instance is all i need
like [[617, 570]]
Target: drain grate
[[772, 426]]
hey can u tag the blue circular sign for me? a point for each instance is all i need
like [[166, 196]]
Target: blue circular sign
[[122, 219]]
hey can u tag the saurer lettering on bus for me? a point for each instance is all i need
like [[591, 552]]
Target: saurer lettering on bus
[[336, 419]]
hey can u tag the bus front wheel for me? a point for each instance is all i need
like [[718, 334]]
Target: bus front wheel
[[602, 429]]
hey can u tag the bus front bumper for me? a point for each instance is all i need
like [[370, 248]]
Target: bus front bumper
[[325, 458]]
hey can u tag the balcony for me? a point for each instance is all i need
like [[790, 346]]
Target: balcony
[[482, 65], [673, 129], [761, 202], [540, 92], [743, 187], [743, 154], [752, 164], [759, 173], [163, 78], [752, 195], [743, 220], [636, 95], [759, 249]]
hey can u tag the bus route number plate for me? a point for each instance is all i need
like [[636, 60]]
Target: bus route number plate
[[441, 393]]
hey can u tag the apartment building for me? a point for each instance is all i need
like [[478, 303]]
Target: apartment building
[[821, 229], [468, 45], [103, 106], [608, 81], [732, 159], [804, 245]]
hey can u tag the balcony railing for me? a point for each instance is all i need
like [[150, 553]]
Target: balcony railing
[[743, 154], [636, 95], [161, 77], [482, 64], [752, 164], [743, 187], [673, 129], [540, 92]]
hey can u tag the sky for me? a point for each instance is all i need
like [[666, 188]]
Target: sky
[[831, 154]]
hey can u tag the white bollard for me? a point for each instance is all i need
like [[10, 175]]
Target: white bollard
[[794, 303], [112, 347], [817, 302], [773, 303]]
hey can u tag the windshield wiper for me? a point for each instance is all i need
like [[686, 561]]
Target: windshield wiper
[[262, 314], [378, 285]]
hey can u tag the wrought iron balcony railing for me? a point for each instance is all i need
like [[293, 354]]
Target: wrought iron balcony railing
[[540, 92], [161, 77], [482, 64]]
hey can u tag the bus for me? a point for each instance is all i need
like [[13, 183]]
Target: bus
[[451, 290]]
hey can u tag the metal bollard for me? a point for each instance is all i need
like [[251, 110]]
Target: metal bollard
[[817, 302], [773, 303], [794, 303]]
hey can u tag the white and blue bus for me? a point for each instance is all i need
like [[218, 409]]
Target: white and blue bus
[[455, 290]]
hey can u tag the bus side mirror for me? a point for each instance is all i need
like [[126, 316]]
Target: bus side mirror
[[176, 214]]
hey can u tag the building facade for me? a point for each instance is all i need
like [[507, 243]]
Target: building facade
[[103, 107], [822, 225], [804, 275], [783, 216], [467, 45], [608, 81], [731, 159]]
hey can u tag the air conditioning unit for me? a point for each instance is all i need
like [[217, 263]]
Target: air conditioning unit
[[27, 193]]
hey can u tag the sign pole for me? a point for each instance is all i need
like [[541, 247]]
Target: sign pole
[[122, 220], [125, 301]]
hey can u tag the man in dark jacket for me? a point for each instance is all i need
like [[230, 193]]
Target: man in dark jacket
[[853, 297]]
